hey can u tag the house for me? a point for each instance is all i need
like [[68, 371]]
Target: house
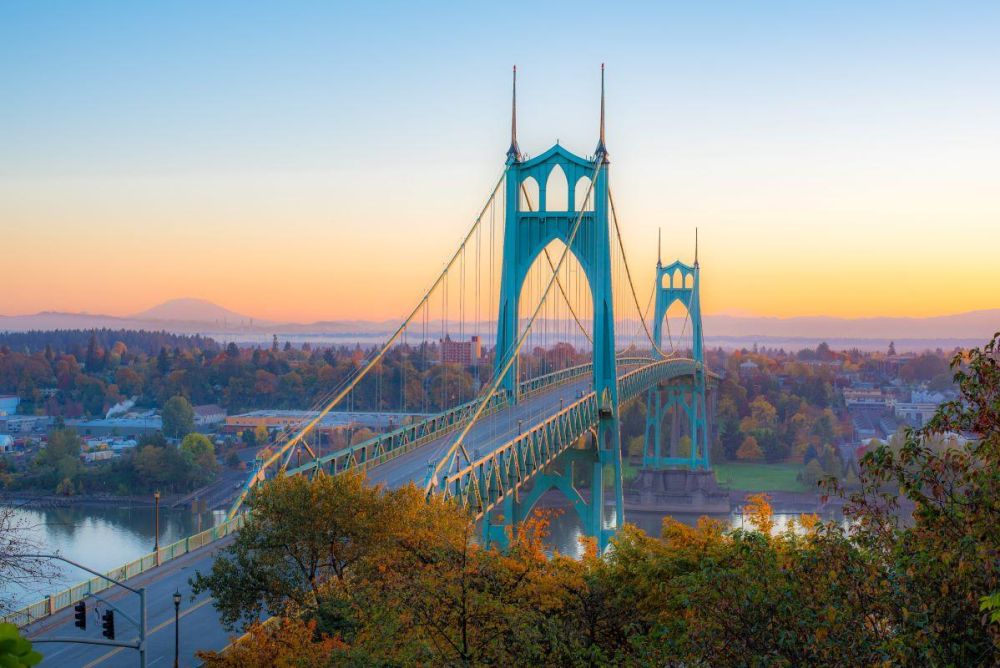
[[207, 415], [915, 414], [6, 443]]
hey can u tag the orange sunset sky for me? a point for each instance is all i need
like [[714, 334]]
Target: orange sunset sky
[[837, 161]]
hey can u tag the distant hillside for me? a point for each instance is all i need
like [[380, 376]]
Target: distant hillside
[[195, 310], [198, 316]]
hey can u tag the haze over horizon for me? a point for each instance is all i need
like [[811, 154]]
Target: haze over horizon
[[838, 160], [201, 309]]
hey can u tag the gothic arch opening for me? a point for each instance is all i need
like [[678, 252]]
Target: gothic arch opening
[[580, 195], [561, 334], [557, 190], [677, 329], [527, 195]]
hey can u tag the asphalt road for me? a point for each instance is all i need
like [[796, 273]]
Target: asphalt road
[[199, 625]]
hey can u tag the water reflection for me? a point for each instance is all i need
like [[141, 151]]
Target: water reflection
[[102, 538], [565, 528]]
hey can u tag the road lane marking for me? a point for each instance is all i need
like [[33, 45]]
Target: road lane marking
[[158, 627]]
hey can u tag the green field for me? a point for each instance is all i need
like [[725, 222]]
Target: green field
[[759, 477]]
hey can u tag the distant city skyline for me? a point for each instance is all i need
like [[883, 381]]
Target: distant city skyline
[[315, 162]]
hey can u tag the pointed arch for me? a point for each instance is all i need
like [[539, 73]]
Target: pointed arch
[[556, 190], [689, 281], [580, 199], [573, 287], [527, 197]]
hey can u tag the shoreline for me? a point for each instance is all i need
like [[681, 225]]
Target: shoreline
[[42, 501]]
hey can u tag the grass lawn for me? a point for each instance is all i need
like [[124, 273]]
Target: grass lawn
[[753, 477]]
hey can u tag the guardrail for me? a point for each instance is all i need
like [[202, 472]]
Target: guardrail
[[384, 447], [482, 484], [366, 455], [67, 597]]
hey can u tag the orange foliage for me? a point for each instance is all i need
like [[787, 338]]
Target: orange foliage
[[284, 643], [758, 510]]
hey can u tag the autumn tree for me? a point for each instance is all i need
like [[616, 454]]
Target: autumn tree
[[749, 450], [300, 533], [944, 563], [286, 642]]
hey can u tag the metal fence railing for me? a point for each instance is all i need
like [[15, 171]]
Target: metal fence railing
[[60, 600], [437, 427]]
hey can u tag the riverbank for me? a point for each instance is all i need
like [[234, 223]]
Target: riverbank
[[41, 501]]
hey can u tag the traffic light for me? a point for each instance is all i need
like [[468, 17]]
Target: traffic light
[[108, 624], [80, 613]]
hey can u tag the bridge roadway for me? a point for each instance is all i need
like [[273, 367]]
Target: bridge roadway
[[200, 627]]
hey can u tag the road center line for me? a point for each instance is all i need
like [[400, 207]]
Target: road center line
[[158, 627]]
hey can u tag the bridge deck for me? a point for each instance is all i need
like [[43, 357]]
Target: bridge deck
[[200, 627], [489, 433]]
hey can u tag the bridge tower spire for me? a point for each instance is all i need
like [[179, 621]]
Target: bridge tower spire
[[514, 152], [528, 229], [602, 150], [679, 282]]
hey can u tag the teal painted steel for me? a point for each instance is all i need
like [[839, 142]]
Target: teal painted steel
[[526, 234], [492, 483], [678, 282], [383, 447]]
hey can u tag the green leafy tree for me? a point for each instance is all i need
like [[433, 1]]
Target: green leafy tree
[[944, 563], [199, 455], [15, 650], [59, 460], [178, 417], [300, 533]]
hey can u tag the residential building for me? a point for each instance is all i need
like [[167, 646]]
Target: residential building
[[207, 415], [461, 352]]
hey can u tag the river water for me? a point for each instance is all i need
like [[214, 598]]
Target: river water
[[101, 538], [104, 538]]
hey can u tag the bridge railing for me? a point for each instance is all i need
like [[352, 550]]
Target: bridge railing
[[392, 444], [67, 597], [483, 483], [367, 454]]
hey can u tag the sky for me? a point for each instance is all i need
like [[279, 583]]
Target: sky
[[316, 160]]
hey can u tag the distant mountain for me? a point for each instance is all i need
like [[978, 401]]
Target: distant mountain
[[195, 310], [198, 316]]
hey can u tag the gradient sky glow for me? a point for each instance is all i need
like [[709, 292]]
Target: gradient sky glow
[[313, 160]]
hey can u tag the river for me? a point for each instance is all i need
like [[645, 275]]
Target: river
[[101, 538], [104, 538]]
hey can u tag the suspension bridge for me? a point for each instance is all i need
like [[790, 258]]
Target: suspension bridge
[[539, 278], [518, 358]]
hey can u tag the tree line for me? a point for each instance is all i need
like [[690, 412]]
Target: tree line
[[58, 375], [361, 575]]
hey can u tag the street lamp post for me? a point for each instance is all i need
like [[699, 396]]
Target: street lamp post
[[177, 627], [156, 529]]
